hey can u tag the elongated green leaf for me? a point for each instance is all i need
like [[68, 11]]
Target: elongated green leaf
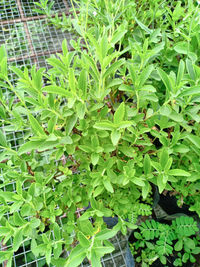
[[194, 139], [113, 68], [119, 113], [76, 257], [51, 124], [18, 237], [165, 80], [118, 35], [104, 125], [190, 69], [164, 157], [72, 81], [195, 90], [143, 27], [3, 139], [108, 186], [178, 172], [17, 71], [94, 158], [115, 136], [102, 250], [84, 242], [147, 164], [48, 254], [126, 88], [82, 84], [91, 63], [124, 124], [181, 69], [36, 127], [106, 234], [56, 90], [80, 109], [64, 47], [95, 260], [29, 146], [70, 124], [145, 75]]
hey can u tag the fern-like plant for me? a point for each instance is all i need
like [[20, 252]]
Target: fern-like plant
[[176, 243]]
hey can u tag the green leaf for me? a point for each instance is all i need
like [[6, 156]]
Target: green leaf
[[53, 89], [142, 26], [138, 181], [195, 90], [145, 190], [190, 69], [70, 124], [160, 183], [106, 234], [164, 157], [108, 186], [6, 255], [179, 245], [119, 33], [2, 139], [98, 191], [178, 172], [18, 221], [48, 254], [165, 80], [51, 124], [181, 69], [29, 146], [147, 164], [119, 113], [80, 109], [72, 81], [102, 250], [18, 237], [76, 257], [36, 127], [84, 242], [194, 139], [113, 68], [35, 223], [95, 260], [181, 48], [115, 136], [82, 84], [145, 75], [104, 125], [94, 158]]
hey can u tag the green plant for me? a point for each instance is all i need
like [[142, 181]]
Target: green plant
[[176, 243], [102, 125]]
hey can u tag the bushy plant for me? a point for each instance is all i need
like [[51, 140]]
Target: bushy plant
[[174, 244], [101, 126]]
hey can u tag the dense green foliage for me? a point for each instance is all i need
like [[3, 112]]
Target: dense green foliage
[[157, 241], [104, 123]]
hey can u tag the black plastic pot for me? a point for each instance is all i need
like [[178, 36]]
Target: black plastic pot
[[168, 204]]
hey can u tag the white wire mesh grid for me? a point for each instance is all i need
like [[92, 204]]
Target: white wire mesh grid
[[9, 10], [29, 7], [46, 40]]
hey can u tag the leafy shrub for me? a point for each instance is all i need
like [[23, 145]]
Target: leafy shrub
[[176, 242], [101, 126]]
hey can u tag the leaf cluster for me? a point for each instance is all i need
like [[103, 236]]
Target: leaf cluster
[[156, 240]]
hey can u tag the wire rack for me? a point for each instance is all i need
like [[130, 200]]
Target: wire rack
[[29, 40]]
